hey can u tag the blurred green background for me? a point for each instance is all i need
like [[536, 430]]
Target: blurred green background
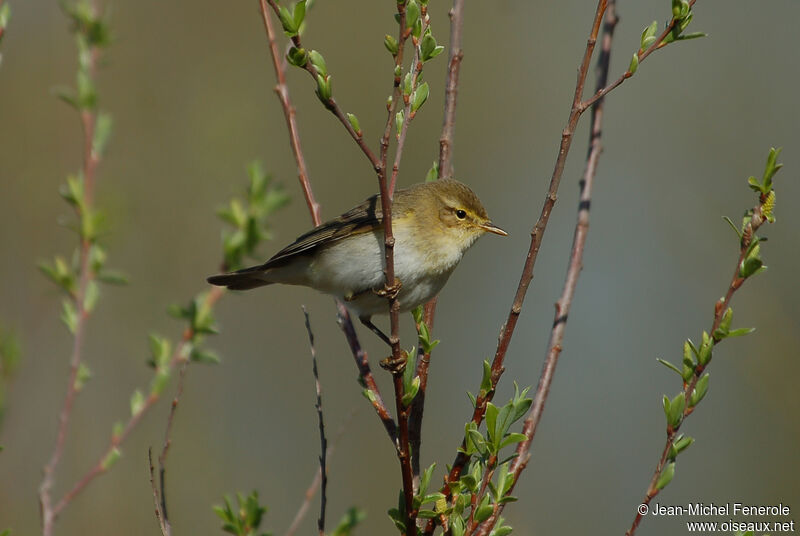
[[189, 85]]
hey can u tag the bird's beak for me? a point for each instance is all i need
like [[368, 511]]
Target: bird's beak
[[489, 227]]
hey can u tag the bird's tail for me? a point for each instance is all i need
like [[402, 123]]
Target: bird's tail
[[241, 279]]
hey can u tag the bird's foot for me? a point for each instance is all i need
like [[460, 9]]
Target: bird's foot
[[389, 291], [395, 365]]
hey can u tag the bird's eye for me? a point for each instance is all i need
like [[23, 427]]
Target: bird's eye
[[461, 214]]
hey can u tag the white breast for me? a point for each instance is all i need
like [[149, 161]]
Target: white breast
[[363, 255]]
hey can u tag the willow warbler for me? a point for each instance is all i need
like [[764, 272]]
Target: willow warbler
[[433, 225]]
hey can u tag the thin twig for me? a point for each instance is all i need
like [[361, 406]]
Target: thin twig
[[343, 316], [282, 90], [323, 469], [317, 480], [158, 500], [101, 466], [451, 91], [749, 231], [408, 115], [87, 275], [445, 168], [161, 509], [399, 358], [391, 107], [537, 233], [642, 54], [330, 103], [574, 269]]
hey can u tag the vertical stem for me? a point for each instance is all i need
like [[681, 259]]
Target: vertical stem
[[451, 91], [90, 161]]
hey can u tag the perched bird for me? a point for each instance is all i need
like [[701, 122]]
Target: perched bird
[[433, 225]]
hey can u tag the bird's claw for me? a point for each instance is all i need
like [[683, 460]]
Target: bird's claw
[[389, 291], [395, 365]]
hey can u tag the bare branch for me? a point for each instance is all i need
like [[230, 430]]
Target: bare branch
[[323, 470], [282, 90], [451, 91]]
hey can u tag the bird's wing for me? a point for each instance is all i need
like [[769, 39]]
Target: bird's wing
[[364, 218]]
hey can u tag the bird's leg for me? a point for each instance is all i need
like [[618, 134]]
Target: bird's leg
[[375, 329]]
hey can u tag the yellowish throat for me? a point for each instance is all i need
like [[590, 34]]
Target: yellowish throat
[[433, 224]]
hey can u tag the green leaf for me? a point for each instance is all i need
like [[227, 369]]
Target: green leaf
[[287, 21], [700, 390], [492, 413], [297, 56], [704, 353], [681, 443], [398, 119], [486, 380], [666, 476], [5, 15], [425, 479], [69, 315], [433, 173], [299, 13], [411, 392], [160, 350], [354, 123], [73, 191], [112, 277], [391, 44], [633, 66], [324, 89], [676, 409], [91, 297], [741, 331], [82, 376], [649, 35], [771, 168], [733, 226], [484, 511], [669, 365], [419, 97], [427, 46], [111, 458], [137, 402], [204, 356], [511, 439], [412, 13], [319, 62], [102, 131], [349, 521], [692, 35], [159, 382]]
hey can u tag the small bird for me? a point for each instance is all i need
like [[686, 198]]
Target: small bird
[[433, 225]]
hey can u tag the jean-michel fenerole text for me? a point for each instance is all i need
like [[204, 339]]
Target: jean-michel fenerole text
[[722, 509]]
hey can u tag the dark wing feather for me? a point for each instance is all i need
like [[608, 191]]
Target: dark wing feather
[[364, 218]]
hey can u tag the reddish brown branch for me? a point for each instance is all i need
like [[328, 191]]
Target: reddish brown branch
[[575, 263], [642, 54], [100, 466], [445, 172], [344, 320], [451, 91], [86, 276], [527, 274], [391, 107], [330, 103], [720, 307], [282, 90], [161, 492]]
